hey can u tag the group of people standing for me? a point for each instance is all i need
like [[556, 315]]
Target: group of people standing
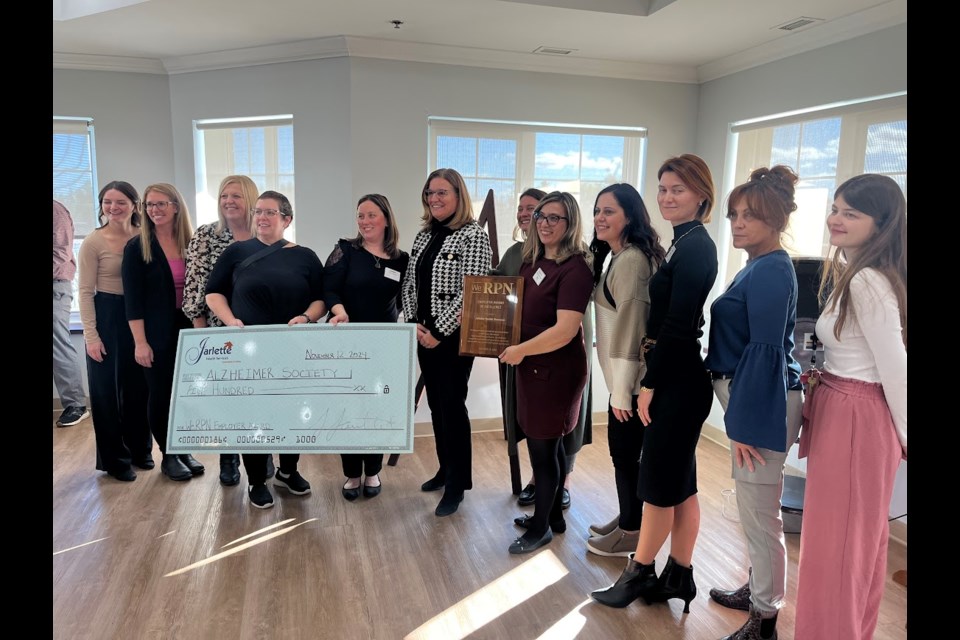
[[144, 275]]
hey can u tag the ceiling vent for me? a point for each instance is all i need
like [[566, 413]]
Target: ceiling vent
[[797, 23], [554, 51]]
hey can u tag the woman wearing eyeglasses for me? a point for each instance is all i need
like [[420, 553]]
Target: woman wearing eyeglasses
[[268, 280], [236, 197], [550, 360], [450, 245], [118, 391], [153, 273]]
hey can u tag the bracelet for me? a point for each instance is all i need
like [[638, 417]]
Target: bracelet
[[303, 315], [642, 389]]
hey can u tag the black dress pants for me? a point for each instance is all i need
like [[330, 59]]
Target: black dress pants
[[160, 384], [625, 440], [118, 391], [446, 375]]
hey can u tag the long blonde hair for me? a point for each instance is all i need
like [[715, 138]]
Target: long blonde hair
[[571, 244], [182, 227], [879, 197]]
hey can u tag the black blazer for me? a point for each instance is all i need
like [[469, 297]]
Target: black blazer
[[149, 294]]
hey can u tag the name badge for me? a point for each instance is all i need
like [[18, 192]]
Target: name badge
[[393, 274], [539, 276], [669, 254]]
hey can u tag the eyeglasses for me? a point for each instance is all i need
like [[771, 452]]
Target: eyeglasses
[[552, 220], [270, 213], [443, 193], [157, 205]]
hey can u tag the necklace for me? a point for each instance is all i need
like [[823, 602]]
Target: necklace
[[376, 259], [673, 247]]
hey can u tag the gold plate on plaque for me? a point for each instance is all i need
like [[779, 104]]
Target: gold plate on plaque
[[491, 314]]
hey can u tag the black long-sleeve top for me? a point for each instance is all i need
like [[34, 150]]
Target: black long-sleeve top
[[678, 292], [368, 287]]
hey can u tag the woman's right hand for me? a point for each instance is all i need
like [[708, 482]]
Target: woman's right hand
[[96, 350], [143, 354], [234, 322], [622, 414]]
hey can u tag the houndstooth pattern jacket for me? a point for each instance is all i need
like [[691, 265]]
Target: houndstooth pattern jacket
[[464, 252]]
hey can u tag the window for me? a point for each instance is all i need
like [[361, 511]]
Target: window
[[512, 157], [825, 147], [75, 182], [261, 148]]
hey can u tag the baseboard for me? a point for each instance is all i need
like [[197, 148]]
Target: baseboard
[[898, 529]]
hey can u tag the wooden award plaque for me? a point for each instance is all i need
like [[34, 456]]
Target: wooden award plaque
[[491, 314]]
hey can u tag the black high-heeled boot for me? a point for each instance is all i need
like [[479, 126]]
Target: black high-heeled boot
[[676, 581], [636, 581]]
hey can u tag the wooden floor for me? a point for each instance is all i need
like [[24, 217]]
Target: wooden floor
[[161, 559]]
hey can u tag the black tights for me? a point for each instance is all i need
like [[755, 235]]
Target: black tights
[[549, 472]]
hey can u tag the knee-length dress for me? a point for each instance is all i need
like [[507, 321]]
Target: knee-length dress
[[550, 385], [683, 392]]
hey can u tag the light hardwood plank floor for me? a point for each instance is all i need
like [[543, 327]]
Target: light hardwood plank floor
[[161, 559]]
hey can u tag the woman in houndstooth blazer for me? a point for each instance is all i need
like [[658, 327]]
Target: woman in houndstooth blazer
[[450, 245]]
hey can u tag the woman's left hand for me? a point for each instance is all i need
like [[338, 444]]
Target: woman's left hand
[[298, 320], [512, 355], [425, 338], [746, 454]]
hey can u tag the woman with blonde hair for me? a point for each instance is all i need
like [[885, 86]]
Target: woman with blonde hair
[[153, 279], [855, 422], [550, 358], [236, 197], [450, 245]]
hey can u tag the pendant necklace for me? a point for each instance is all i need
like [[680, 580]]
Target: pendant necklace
[[377, 261]]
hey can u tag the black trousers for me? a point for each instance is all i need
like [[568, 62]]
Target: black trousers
[[446, 375], [256, 465], [357, 464], [118, 391], [625, 440], [160, 384]]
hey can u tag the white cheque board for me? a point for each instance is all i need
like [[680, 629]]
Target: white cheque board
[[311, 388]]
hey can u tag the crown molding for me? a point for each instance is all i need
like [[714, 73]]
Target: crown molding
[[870, 20], [516, 60], [316, 49], [125, 64]]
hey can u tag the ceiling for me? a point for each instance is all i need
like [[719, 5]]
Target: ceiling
[[672, 40]]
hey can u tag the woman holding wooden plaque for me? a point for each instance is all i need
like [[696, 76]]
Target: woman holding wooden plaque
[[550, 359]]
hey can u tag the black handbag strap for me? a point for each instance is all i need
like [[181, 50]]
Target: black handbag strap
[[259, 255]]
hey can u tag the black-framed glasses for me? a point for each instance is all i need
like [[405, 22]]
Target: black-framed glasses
[[552, 219], [163, 204], [270, 213], [443, 193]]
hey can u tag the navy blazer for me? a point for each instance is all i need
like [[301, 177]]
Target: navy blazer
[[149, 294]]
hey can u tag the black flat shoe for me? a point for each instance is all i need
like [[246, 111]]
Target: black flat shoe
[[372, 492], [192, 463], [145, 462], [449, 504], [127, 475], [528, 496], [173, 468], [522, 545], [229, 469], [565, 500], [350, 494], [524, 523], [433, 484]]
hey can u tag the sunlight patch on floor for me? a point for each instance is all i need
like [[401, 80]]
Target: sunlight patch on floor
[[79, 545]]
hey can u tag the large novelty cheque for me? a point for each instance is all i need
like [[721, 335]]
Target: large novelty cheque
[[303, 389]]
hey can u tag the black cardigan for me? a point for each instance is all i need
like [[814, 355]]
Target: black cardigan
[[149, 294]]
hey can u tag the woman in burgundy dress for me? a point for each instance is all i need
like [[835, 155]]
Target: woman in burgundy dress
[[550, 359]]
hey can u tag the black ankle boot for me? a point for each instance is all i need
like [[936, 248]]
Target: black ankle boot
[[675, 582], [754, 627], [635, 581]]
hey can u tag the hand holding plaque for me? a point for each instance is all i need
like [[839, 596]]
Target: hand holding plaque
[[491, 314]]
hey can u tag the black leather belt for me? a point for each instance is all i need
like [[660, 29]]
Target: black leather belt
[[715, 375]]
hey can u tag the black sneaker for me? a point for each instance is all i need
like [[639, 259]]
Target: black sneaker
[[72, 415], [294, 483], [271, 467], [260, 496]]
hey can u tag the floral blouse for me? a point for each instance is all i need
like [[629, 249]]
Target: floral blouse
[[202, 253]]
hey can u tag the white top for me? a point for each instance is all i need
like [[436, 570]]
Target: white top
[[871, 344]]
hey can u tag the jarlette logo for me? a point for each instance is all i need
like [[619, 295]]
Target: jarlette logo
[[203, 351]]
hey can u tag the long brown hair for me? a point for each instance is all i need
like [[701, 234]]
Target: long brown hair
[[391, 236], [879, 197], [183, 228], [464, 211], [571, 244]]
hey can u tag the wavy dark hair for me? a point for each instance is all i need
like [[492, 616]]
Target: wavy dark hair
[[126, 189], [638, 230], [879, 197]]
